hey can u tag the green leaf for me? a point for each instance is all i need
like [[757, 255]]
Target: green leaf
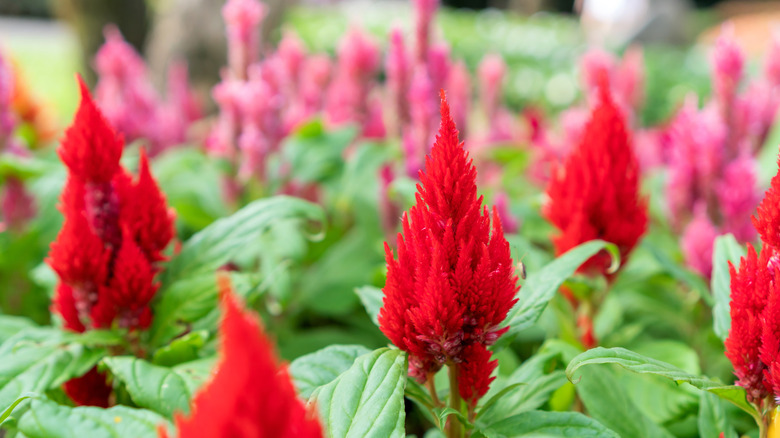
[[315, 154], [38, 359], [637, 363], [727, 249], [7, 412], [11, 325], [228, 237], [46, 419], [371, 297], [712, 417], [316, 369], [537, 386], [160, 389], [549, 424], [367, 400], [542, 285], [609, 403], [189, 300], [183, 349]]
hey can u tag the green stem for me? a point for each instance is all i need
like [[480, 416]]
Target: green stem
[[431, 385], [453, 425]]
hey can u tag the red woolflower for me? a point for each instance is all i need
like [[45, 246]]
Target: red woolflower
[[595, 195], [453, 282], [767, 218], [114, 232], [250, 395], [750, 289]]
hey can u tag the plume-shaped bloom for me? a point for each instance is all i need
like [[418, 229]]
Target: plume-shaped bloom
[[132, 106], [750, 289], [728, 61], [399, 72], [424, 12], [243, 18], [697, 242], [114, 233], [474, 373], [595, 195], [251, 395], [7, 117], [767, 218], [453, 281]]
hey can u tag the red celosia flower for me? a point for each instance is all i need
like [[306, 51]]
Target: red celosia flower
[[251, 395], [89, 390], [453, 282], [750, 288], [767, 218], [114, 232], [474, 373], [596, 193]]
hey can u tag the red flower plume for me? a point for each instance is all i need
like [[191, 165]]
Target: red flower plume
[[453, 282], [474, 373], [767, 218], [250, 395], [114, 232], [750, 289], [596, 193]]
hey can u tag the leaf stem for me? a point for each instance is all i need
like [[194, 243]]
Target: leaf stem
[[453, 424]]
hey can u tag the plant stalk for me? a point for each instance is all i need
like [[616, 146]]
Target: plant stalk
[[454, 429]]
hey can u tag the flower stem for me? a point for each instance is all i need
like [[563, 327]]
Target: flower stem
[[431, 385], [453, 424]]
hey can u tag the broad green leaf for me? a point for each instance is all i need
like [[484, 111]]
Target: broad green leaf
[[314, 154], [313, 370], [180, 350], [727, 249], [712, 417], [46, 419], [644, 365], [160, 389], [371, 297], [11, 325], [189, 300], [549, 424], [228, 237], [542, 285], [38, 359], [611, 405], [367, 400], [538, 385]]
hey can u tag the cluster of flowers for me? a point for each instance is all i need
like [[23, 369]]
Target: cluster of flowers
[[106, 255], [453, 282], [18, 106], [712, 184], [595, 194], [130, 103], [625, 79], [753, 344]]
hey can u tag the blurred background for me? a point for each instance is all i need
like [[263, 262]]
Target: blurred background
[[541, 40]]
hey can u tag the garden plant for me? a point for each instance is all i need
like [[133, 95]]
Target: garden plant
[[376, 242]]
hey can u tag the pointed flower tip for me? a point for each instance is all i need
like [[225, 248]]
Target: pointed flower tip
[[225, 289]]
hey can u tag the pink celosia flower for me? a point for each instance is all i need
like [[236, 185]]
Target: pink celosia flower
[[424, 12], [459, 89], [348, 95], [728, 61], [697, 242], [125, 95], [510, 223], [737, 197], [7, 117], [398, 67], [17, 205], [243, 18], [439, 65]]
